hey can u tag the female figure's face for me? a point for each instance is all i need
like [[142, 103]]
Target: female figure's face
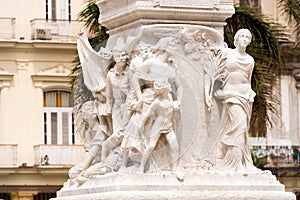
[[243, 40]]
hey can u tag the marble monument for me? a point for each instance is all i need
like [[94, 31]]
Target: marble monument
[[171, 107]]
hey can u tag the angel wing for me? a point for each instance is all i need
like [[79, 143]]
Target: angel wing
[[92, 63]]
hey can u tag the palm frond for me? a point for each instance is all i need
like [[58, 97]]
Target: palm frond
[[290, 9], [90, 15]]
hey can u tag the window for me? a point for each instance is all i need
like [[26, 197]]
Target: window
[[58, 9], [250, 3], [58, 119], [58, 98], [44, 196], [4, 196]]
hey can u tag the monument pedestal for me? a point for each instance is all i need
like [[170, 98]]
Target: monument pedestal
[[183, 38], [205, 186]]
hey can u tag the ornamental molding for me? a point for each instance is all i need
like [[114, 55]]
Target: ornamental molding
[[133, 13], [5, 78]]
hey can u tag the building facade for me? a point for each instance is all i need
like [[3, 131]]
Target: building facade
[[37, 140]]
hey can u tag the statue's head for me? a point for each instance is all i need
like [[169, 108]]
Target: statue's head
[[144, 49], [119, 52], [105, 53], [88, 110], [166, 44], [242, 32], [162, 86]]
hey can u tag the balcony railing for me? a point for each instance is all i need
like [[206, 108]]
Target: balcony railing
[[7, 28], [276, 155], [58, 154], [8, 155], [58, 125], [62, 30]]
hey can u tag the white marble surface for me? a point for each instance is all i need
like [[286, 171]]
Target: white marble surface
[[118, 15], [201, 185], [176, 43]]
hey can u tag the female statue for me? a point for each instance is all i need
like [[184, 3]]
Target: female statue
[[234, 72]]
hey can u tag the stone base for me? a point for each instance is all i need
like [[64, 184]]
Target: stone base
[[206, 185]]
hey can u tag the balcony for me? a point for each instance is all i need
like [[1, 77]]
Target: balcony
[[58, 155], [277, 157], [8, 155], [56, 30], [7, 28]]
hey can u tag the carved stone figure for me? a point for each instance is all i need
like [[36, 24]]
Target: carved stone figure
[[104, 116], [158, 67], [234, 72], [163, 108], [94, 138], [117, 89], [133, 143]]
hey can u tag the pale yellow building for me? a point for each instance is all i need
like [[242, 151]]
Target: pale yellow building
[[37, 47], [37, 140]]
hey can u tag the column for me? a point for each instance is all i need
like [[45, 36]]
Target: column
[[297, 78], [285, 100], [5, 83], [25, 117]]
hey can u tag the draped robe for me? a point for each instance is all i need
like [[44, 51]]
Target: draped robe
[[234, 72]]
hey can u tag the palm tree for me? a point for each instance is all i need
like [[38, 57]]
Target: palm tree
[[291, 10]]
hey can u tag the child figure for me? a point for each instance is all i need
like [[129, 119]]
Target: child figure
[[163, 108]]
